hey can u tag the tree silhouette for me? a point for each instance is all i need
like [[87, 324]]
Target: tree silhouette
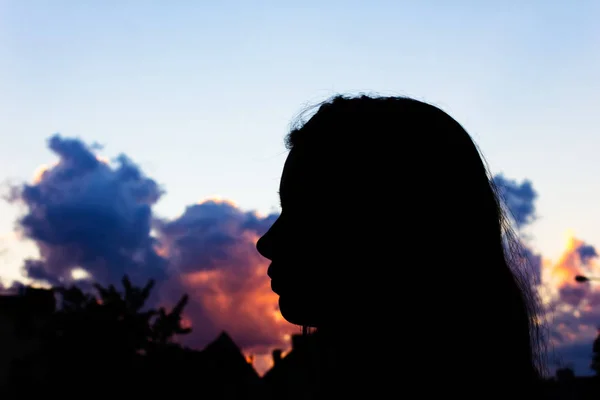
[[168, 324], [107, 339], [116, 322]]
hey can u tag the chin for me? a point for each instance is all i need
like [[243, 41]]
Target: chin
[[297, 311]]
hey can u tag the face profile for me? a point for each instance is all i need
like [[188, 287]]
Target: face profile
[[297, 247], [353, 180]]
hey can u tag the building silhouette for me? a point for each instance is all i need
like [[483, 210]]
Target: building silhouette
[[230, 376], [288, 377]]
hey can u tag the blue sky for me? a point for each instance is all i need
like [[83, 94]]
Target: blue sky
[[200, 94]]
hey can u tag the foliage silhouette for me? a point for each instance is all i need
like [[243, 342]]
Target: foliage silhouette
[[115, 322], [108, 341]]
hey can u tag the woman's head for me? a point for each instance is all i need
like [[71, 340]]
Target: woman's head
[[389, 214]]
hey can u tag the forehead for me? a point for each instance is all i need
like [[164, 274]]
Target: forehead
[[298, 172], [289, 173]]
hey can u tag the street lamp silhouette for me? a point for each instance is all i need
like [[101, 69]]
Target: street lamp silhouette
[[582, 278]]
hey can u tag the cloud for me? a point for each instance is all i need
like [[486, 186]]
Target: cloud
[[89, 216], [84, 213], [573, 309], [586, 253], [518, 201], [212, 248], [519, 198]]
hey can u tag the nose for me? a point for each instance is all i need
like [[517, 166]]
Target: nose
[[264, 246]]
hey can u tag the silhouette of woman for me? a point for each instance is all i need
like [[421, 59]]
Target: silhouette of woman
[[393, 245]]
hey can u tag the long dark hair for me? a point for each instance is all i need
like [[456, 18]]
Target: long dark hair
[[363, 132]]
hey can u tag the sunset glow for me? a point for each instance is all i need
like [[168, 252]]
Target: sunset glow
[[208, 252]]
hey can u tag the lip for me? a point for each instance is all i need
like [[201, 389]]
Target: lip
[[276, 289], [270, 271]]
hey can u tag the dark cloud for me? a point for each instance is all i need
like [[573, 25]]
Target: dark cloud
[[208, 233], [586, 253], [572, 295], [212, 246], [36, 269], [84, 213], [534, 264], [519, 199]]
